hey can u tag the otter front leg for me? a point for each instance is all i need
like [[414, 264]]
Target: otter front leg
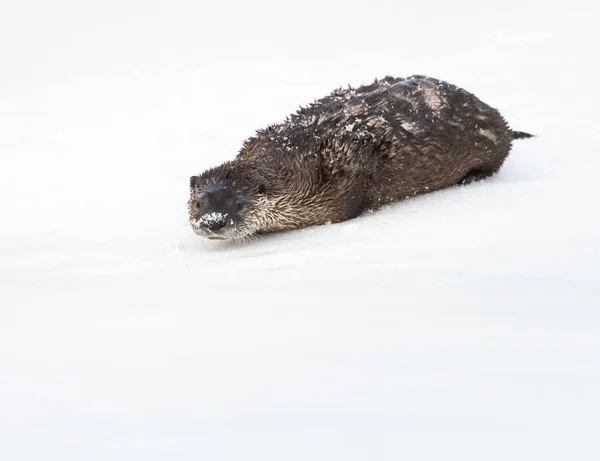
[[355, 206]]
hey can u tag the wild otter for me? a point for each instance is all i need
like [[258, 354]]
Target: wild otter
[[353, 150]]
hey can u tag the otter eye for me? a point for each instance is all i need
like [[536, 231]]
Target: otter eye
[[240, 206], [262, 189]]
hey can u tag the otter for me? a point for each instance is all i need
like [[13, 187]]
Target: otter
[[353, 150]]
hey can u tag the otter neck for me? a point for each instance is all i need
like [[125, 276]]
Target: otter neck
[[303, 207]]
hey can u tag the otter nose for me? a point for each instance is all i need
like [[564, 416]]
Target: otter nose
[[212, 221], [215, 225]]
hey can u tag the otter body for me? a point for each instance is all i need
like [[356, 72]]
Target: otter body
[[353, 150]]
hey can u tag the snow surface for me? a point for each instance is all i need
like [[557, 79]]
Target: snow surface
[[464, 325]]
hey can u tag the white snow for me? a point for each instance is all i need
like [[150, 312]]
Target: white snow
[[462, 325], [488, 134], [209, 218], [410, 126]]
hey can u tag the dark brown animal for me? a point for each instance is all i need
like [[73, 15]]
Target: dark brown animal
[[354, 150]]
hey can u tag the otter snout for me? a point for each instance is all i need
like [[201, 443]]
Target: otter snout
[[214, 209], [212, 221]]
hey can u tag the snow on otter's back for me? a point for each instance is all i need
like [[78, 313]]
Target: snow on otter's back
[[432, 98], [410, 126]]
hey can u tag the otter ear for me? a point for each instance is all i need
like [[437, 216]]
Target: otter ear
[[193, 181], [262, 188]]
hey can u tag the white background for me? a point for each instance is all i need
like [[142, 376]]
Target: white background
[[464, 325]]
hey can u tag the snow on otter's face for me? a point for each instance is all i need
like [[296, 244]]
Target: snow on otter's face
[[215, 225], [209, 219]]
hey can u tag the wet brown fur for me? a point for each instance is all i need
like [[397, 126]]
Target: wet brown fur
[[360, 148]]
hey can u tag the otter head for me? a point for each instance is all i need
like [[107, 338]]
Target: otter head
[[225, 201]]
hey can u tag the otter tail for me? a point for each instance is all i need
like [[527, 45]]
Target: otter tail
[[521, 135]]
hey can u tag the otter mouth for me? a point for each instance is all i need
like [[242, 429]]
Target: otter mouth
[[215, 237], [203, 231], [230, 233], [214, 226]]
